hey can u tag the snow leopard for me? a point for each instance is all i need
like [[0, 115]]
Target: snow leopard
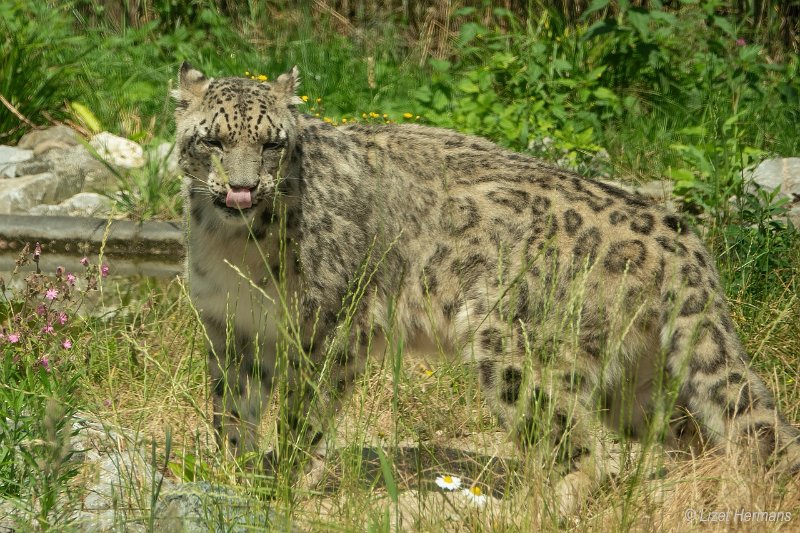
[[585, 310]]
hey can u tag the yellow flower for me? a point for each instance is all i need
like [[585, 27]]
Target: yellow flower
[[373, 114], [363, 115], [261, 77], [407, 115], [246, 73], [316, 114], [327, 119], [385, 115], [318, 100], [305, 98], [417, 117], [344, 120]]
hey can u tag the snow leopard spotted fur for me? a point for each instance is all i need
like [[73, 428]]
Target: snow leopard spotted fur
[[582, 307]]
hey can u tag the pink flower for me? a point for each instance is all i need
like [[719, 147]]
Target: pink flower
[[85, 261], [48, 329], [13, 337], [62, 318], [104, 270], [41, 310], [740, 42], [45, 363], [67, 344], [51, 294], [37, 251], [70, 278]]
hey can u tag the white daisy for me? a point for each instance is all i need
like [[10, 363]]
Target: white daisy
[[475, 495], [448, 482]]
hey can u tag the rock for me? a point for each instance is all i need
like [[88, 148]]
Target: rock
[[46, 146], [85, 204], [783, 173], [21, 194], [118, 151], [9, 157], [61, 134], [75, 163], [201, 507]]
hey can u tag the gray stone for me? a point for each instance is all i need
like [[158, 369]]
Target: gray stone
[[21, 194], [46, 146], [62, 134], [85, 204], [10, 157], [118, 151], [783, 173], [201, 507], [76, 164]]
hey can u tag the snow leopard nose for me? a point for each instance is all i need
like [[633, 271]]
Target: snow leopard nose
[[243, 169]]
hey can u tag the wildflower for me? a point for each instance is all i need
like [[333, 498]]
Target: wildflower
[[13, 338], [51, 294], [261, 77], [246, 73], [475, 495], [344, 120], [41, 310], [71, 278], [407, 115], [305, 98], [48, 329], [373, 114], [448, 482], [417, 117], [740, 42], [328, 120], [85, 261], [104, 270], [67, 344], [59, 271], [37, 252], [62, 318], [318, 100], [45, 364], [385, 115], [316, 114], [363, 115]]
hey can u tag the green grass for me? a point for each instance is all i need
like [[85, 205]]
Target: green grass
[[700, 113]]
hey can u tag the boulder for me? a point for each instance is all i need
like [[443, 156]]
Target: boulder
[[10, 157], [782, 173], [118, 151], [85, 204], [167, 156], [60, 134], [21, 194]]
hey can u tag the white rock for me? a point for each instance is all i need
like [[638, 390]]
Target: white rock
[[783, 173], [85, 204], [118, 151], [9, 157], [60, 133]]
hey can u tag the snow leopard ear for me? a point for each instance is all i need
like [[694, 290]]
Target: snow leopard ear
[[192, 82], [287, 85]]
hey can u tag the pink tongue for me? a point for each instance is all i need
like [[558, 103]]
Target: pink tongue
[[239, 198]]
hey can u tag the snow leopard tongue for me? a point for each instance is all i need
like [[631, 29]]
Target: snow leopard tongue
[[239, 198]]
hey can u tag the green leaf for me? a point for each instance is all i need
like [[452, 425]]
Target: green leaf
[[388, 477], [439, 65], [467, 86], [596, 5], [88, 118], [723, 24], [599, 28], [603, 93], [640, 19]]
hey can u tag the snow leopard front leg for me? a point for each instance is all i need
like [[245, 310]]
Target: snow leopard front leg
[[241, 384]]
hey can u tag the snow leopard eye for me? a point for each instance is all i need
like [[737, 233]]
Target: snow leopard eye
[[271, 145], [208, 142]]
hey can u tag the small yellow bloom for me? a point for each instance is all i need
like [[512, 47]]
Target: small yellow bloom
[[318, 100], [407, 115], [363, 115], [316, 114], [305, 98], [246, 73], [385, 115], [261, 77], [327, 119], [373, 114], [344, 120], [429, 373], [417, 117]]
